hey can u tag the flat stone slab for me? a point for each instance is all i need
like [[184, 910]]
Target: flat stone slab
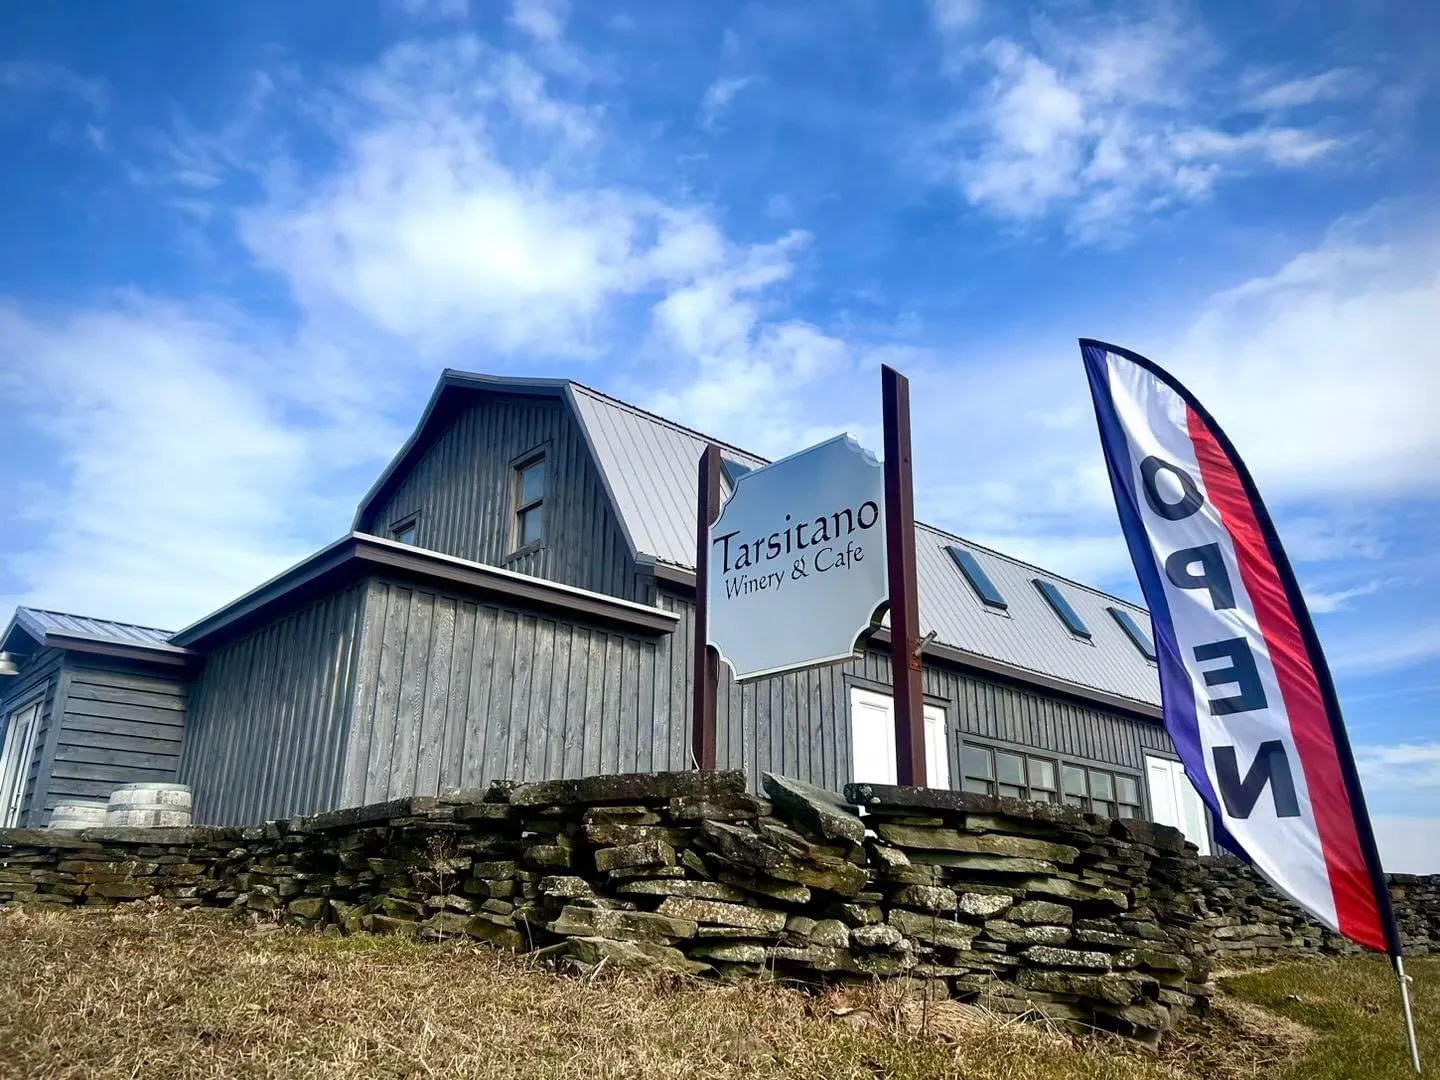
[[814, 808], [873, 796], [629, 787], [716, 913], [907, 836]]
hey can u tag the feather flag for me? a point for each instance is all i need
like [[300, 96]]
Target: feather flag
[[1247, 696]]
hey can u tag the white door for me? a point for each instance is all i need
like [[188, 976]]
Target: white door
[[872, 740], [15, 762], [1174, 801]]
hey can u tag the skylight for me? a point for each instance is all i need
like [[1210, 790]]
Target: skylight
[[979, 580], [1062, 607], [1136, 633]]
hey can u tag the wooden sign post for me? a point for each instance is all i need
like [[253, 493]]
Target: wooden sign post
[[706, 660], [904, 606]]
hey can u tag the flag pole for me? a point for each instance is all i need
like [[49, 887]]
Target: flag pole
[[1409, 1017]]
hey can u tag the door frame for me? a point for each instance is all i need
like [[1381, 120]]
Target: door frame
[[935, 712], [1177, 767], [18, 749]]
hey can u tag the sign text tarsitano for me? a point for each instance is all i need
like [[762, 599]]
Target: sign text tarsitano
[[797, 560]]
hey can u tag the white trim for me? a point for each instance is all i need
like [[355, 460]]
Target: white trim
[[1175, 802], [872, 740], [15, 758]]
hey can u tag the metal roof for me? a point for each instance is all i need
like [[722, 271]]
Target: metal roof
[[58, 628], [650, 465]]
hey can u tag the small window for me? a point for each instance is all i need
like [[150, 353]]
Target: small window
[[979, 580], [529, 502], [1062, 608], [733, 469], [1133, 630], [407, 530], [979, 771]]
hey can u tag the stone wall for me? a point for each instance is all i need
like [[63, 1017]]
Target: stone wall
[[1018, 906], [1244, 919]]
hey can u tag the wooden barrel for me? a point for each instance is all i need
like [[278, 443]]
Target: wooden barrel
[[77, 815], [149, 806]]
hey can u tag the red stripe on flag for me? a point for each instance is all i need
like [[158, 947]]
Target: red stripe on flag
[[1355, 904]]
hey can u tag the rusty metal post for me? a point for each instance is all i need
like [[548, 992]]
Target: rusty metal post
[[904, 599], [707, 660]]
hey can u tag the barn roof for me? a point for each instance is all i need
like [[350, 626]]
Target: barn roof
[[649, 467], [60, 630]]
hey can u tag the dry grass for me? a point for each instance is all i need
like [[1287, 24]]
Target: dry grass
[[102, 994]]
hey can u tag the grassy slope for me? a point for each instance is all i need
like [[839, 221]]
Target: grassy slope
[[1353, 1007], [102, 995]]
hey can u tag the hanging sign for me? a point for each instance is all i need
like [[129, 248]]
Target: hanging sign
[[797, 560]]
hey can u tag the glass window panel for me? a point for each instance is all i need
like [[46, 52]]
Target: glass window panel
[[1134, 632], [405, 533], [1105, 809], [1074, 780], [1102, 785], [1127, 790], [530, 525], [532, 483], [1042, 774], [1010, 769], [977, 762], [1040, 795], [1128, 811], [1010, 791], [1068, 614], [978, 787], [978, 579], [1075, 800]]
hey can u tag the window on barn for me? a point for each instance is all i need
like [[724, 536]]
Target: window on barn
[[980, 581], [1068, 615], [529, 502], [1017, 775], [1134, 631], [406, 530]]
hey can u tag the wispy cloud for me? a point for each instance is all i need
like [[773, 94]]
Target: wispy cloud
[[718, 96], [30, 77], [1388, 648], [1336, 84], [1325, 602], [1097, 123]]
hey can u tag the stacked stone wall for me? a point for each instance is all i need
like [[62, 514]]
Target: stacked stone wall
[[1020, 907], [1244, 920]]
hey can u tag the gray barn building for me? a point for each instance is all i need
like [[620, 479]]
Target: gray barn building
[[516, 600]]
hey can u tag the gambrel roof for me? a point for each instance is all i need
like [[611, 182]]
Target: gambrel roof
[[649, 466]]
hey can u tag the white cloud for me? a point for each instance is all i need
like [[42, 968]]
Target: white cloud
[[1101, 122], [1387, 648], [954, 15], [1408, 845], [434, 9], [173, 476], [719, 95], [28, 77], [543, 20], [1336, 84], [1323, 602]]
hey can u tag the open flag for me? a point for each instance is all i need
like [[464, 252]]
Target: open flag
[[1247, 696]]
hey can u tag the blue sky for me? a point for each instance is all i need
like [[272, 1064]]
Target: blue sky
[[240, 242]]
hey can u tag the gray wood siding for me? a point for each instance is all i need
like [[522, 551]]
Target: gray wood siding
[[798, 723], [452, 692], [462, 488], [119, 724], [39, 677], [269, 716]]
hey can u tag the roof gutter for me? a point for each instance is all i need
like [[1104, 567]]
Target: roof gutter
[[357, 554]]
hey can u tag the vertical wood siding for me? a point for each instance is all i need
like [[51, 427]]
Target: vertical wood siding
[[463, 489], [798, 723], [119, 724], [39, 677], [451, 692], [269, 716]]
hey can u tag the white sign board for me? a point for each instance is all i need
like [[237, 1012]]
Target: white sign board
[[797, 560]]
